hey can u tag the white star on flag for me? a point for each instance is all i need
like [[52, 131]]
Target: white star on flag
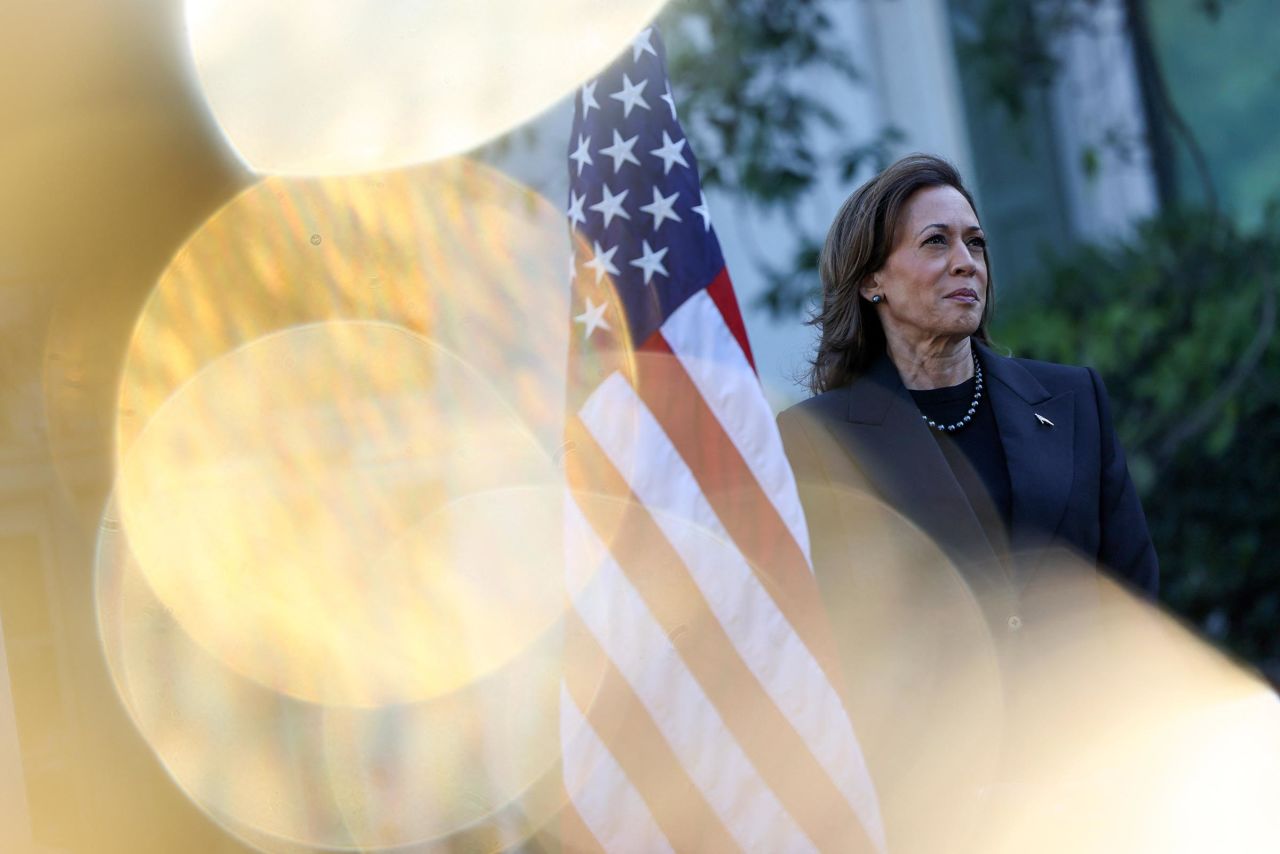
[[670, 152], [671, 101], [581, 155], [610, 205], [602, 262], [589, 97], [650, 261], [702, 211], [662, 208], [620, 151], [640, 45], [629, 95], [575, 214], [593, 318]]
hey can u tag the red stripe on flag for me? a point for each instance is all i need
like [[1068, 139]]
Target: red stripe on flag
[[624, 725], [655, 569], [721, 292], [575, 836], [747, 514]]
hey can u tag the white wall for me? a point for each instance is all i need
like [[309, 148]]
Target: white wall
[[1097, 103], [916, 76]]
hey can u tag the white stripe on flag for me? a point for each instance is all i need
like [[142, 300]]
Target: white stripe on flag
[[719, 369], [637, 446], [599, 789], [617, 616]]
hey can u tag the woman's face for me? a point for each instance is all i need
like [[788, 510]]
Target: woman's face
[[934, 282]]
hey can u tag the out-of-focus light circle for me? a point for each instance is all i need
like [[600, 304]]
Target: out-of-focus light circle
[[343, 86], [453, 251], [339, 416], [924, 681], [316, 509], [1128, 733], [476, 767]]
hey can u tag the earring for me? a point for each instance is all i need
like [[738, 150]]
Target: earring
[[877, 299]]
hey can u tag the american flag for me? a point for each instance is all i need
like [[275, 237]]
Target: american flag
[[698, 710]]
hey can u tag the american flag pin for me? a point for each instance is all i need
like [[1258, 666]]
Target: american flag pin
[[1045, 421]]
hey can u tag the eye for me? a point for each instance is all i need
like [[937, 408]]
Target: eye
[[937, 239], [979, 243]]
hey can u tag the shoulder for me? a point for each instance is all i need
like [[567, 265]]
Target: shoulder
[[1051, 372], [1037, 381], [1054, 377], [821, 407], [806, 429]]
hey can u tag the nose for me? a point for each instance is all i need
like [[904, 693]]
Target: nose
[[962, 261]]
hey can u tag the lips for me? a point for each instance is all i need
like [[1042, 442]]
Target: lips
[[963, 295]]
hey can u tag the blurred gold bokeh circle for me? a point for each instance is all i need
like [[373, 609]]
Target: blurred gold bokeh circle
[[317, 509], [336, 529], [347, 86], [288, 776], [337, 426]]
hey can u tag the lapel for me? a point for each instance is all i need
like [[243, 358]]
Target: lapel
[[1040, 457], [894, 448]]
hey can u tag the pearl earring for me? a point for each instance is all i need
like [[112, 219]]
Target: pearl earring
[[877, 299]]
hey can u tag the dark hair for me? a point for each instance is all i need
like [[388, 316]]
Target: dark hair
[[857, 245]]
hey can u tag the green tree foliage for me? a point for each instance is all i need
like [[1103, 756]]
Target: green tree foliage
[[1181, 322], [744, 73]]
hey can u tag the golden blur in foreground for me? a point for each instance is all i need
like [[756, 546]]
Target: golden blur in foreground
[[107, 163], [1051, 713], [283, 774], [924, 677], [319, 508], [454, 252], [310, 484], [344, 86], [1128, 733], [336, 565]]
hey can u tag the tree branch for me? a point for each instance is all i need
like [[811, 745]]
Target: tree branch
[[1152, 79], [1209, 409]]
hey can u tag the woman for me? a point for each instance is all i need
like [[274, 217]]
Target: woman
[[947, 490], [995, 458]]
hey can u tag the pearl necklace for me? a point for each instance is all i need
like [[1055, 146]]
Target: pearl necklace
[[973, 405]]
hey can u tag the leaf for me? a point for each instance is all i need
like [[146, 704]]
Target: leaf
[[1089, 162]]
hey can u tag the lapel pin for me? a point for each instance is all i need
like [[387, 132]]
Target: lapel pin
[[1045, 421]]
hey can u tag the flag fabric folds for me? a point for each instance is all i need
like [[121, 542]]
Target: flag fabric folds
[[699, 707]]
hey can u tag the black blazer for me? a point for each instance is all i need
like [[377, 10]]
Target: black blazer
[[943, 635], [1071, 487]]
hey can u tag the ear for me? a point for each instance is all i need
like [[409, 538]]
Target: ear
[[870, 286]]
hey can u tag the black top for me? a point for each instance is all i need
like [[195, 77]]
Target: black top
[[975, 455]]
